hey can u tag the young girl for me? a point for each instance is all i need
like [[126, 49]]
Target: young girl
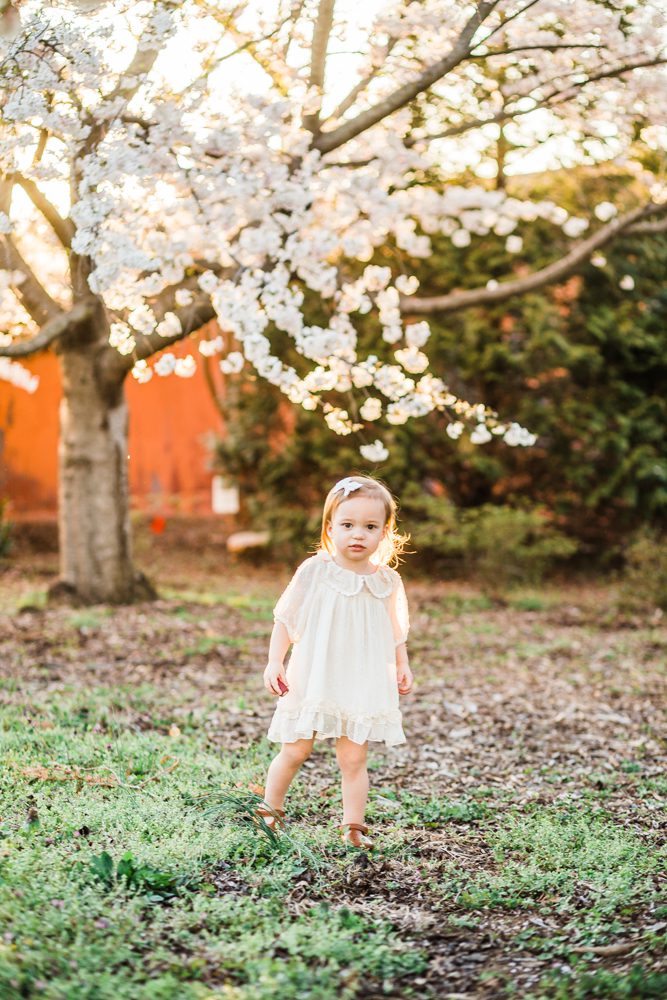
[[346, 612]]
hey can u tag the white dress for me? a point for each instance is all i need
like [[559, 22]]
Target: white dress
[[345, 627]]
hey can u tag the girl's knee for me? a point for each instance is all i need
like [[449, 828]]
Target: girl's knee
[[351, 755], [297, 752]]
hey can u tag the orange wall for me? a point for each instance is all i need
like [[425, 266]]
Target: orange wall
[[169, 458]]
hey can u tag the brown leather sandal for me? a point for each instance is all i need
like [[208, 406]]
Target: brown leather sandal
[[273, 818], [354, 835]]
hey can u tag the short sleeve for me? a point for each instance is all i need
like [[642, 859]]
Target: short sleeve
[[398, 612], [292, 603]]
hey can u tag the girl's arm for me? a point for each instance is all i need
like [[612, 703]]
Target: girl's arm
[[403, 672], [278, 647]]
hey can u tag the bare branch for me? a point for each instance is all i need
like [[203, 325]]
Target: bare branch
[[358, 88], [648, 228], [455, 301], [52, 331], [63, 228], [318, 58], [551, 100], [506, 20], [294, 15], [32, 294], [246, 44], [326, 141], [250, 44], [557, 96], [531, 48]]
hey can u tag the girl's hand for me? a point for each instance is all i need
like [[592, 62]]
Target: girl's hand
[[404, 678], [274, 676]]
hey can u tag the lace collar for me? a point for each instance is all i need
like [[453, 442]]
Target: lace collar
[[347, 582]]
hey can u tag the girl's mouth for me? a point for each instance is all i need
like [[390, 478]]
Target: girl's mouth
[[356, 547]]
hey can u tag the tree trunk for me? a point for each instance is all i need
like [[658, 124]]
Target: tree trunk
[[94, 525]]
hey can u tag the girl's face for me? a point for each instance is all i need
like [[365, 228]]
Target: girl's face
[[358, 527]]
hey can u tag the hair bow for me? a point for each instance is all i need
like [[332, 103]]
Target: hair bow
[[347, 485]]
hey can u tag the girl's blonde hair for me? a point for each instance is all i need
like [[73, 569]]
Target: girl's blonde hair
[[393, 543]]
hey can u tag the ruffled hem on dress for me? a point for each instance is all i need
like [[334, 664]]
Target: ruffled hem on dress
[[328, 723]]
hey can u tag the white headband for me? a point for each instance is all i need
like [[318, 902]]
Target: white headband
[[347, 485]]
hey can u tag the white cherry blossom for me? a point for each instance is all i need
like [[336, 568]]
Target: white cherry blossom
[[233, 363], [605, 211], [371, 409], [187, 197], [375, 452], [185, 367]]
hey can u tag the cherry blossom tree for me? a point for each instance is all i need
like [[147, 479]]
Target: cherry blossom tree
[[147, 188]]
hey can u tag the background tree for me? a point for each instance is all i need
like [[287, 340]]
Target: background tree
[[166, 201]]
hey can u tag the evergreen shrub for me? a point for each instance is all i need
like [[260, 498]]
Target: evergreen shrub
[[644, 580]]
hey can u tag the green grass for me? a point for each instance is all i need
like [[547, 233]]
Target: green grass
[[530, 602], [111, 892], [159, 888], [637, 984], [88, 619], [31, 599], [208, 644], [546, 857]]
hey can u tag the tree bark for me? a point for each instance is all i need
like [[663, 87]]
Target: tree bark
[[94, 526]]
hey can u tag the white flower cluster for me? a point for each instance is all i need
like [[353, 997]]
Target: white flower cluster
[[17, 375], [339, 420], [120, 337]]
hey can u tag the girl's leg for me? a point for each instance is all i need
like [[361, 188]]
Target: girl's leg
[[283, 768], [352, 762]]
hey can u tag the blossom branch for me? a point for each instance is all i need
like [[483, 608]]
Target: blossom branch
[[326, 141], [140, 66], [191, 318], [456, 301]]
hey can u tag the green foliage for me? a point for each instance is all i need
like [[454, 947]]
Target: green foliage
[[512, 546], [644, 581], [436, 529], [5, 530], [157, 885], [501, 545]]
